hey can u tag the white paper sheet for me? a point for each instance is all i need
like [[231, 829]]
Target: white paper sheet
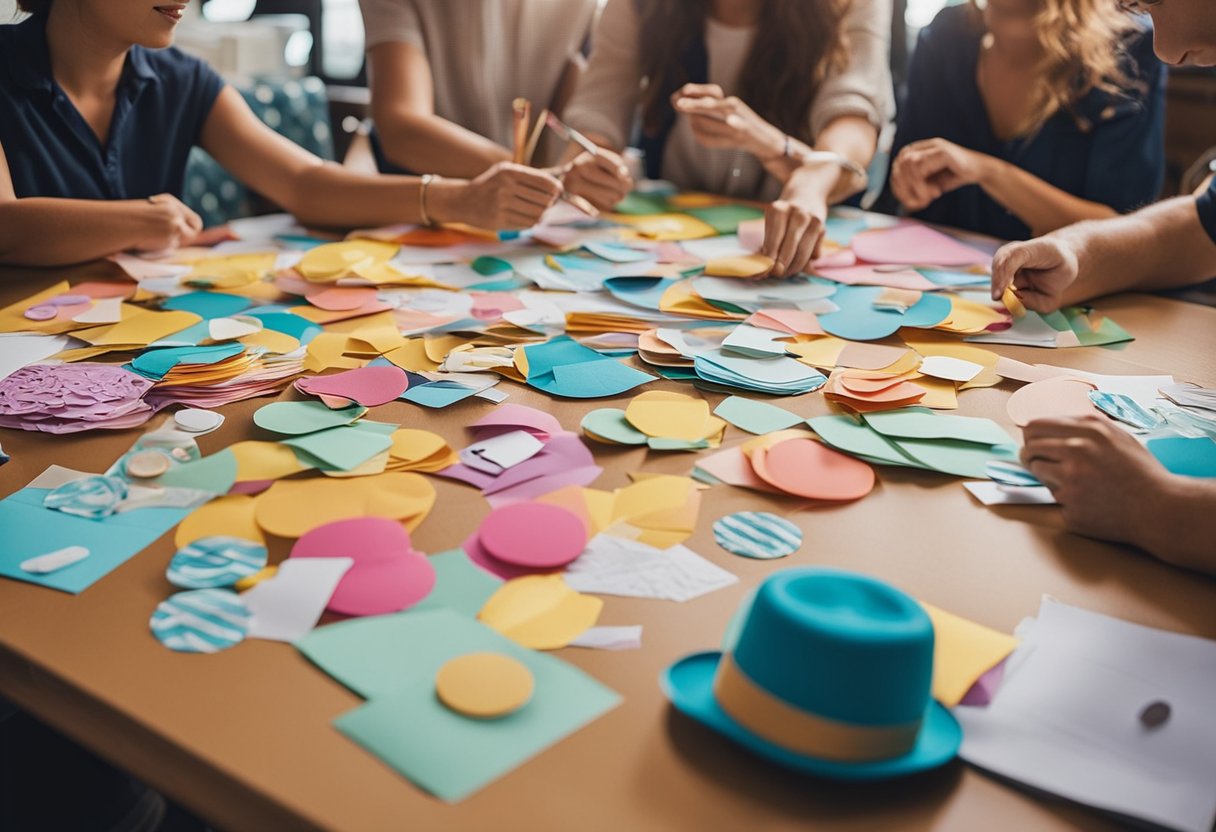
[[1066, 718], [498, 453], [611, 638], [21, 349], [287, 606], [994, 494], [615, 566]]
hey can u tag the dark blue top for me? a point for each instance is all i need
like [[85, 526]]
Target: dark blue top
[[1118, 161], [162, 101], [1207, 210]]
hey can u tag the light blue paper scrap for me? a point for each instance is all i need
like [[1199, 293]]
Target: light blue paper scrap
[[756, 417]]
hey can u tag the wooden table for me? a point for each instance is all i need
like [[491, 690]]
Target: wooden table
[[244, 737]]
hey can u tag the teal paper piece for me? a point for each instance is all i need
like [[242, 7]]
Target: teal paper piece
[[215, 561], [208, 305], [564, 367], [1124, 408], [488, 266], [215, 473], [755, 417], [287, 323], [725, 219], [339, 449], [842, 230], [858, 320], [460, 585], [1108, 332], [1186, 456], [92, 497], [950, 279], [31, 530], [437, 394], [393, 660], [610, 423], [155, 364], [643, 292]]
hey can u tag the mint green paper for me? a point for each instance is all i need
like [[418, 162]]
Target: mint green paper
[[339, 449], [725, 219], [755, 417], [304, 417], [610, 423], [460, 585], [962, 459], [923, 423], [215, 473], [394, 658], [849, 437]]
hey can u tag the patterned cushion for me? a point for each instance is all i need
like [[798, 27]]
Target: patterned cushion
[[296, 109]]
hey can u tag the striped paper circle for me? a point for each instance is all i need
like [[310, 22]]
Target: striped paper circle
[[215, 561], [201, 621], [757, 534]]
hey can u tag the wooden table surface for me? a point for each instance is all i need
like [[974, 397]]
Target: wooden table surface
[[244, 737]]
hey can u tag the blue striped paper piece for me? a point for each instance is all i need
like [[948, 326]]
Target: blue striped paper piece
[[215, 561], [201, 621], [757, 534]]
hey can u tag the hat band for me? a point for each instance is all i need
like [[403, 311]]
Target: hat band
[[794, 729]]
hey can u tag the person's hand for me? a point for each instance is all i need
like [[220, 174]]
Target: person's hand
[[792, 234], [505, 196], [1040, 271], [726, 122], [168, 223], [602, 179], [1105, 481], [925, 170]]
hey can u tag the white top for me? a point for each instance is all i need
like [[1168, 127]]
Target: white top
[[485, 53], [608, 94]]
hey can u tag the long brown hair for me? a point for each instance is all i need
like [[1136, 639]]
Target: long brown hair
[[798, 44], [1084, 45]]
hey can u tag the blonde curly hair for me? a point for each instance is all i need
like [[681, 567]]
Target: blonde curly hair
[[1084, 45]]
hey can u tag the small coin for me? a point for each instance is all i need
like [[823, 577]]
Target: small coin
[[147, 464], [1155, 714]]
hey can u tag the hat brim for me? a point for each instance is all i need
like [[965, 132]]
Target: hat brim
[[689, 685]]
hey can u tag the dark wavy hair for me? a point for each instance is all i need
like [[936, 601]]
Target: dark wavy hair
[[798, 44]]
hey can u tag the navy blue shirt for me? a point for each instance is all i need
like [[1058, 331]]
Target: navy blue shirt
[[161, 103], [1207, 210], [1119, 160]]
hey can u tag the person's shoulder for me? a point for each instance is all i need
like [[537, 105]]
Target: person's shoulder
[[173, 67], [1141, 61], [951, 24]]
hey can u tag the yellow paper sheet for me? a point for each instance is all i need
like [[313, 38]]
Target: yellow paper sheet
[[744, 266], [256, 461], [227, 516], [963, 651], [540, 612]]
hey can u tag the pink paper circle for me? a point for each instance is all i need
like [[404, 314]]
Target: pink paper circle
[[387, 575], [534, 535], [369, 386]]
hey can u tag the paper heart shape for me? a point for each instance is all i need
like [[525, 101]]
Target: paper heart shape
[[387, 575], [368, 386]]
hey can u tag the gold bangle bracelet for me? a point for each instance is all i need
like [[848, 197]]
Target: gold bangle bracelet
[[427, 179]]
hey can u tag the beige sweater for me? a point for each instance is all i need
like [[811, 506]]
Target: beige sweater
[[608, 95]]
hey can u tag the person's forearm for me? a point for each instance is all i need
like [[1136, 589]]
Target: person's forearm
[[430, 144], [329, 195], [1042, 206], [1160, 247], [1184, 524], [59, 232], [854, 138]]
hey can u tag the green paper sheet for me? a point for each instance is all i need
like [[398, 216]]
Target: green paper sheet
[[755, 417], [923, 423], [339, 449], [215, 473], [460, 585], [725, 219]]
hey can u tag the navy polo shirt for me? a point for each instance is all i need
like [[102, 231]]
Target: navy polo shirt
[[1118, 160], [162, 102], [1207, 210]]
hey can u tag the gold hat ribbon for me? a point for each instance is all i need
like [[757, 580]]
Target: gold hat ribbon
[[804, 733]]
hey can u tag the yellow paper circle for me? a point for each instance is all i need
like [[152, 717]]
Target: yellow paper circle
[[484, 685]]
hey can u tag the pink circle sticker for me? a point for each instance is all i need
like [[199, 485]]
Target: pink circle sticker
[[534, 535]]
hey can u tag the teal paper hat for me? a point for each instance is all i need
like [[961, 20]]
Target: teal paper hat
[[830, 674]]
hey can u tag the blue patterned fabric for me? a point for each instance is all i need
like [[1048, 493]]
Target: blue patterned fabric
[[298, 110]]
